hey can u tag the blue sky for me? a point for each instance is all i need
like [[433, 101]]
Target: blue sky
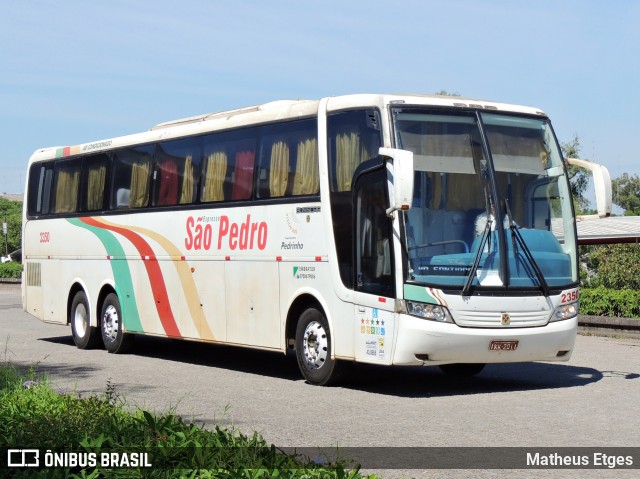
[[77, 71]]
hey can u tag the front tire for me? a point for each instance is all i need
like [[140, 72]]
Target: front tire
[[113, 336], [84, 335], [313, 348]]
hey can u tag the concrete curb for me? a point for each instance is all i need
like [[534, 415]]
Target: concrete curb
[[608, 326]]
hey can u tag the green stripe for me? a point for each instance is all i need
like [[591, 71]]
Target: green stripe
[[121, 275], [418, 293]]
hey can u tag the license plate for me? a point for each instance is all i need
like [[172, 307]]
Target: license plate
[[503, 345]]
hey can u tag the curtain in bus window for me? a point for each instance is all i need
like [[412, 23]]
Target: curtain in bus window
[[95, 187], [463, 192], [186, 194], [307, 180], [349, 154], [214, 179], [140, 184], [168, 191], [437, 201], [67, 190], [278, 169], [243, 175]]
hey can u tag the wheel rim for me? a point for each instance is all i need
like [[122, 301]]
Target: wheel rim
[[110, 323], [315, 345], [80, 320]]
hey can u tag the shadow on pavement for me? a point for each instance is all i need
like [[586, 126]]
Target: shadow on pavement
[[395, 381]]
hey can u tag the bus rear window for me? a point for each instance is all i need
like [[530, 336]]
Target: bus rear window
[[40, 179]]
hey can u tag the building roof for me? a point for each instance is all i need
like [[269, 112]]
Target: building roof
[[610, 230]]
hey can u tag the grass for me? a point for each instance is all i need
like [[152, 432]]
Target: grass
[[34, 415]]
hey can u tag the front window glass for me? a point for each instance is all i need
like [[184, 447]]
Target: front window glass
[[532, 187], [453, 228]]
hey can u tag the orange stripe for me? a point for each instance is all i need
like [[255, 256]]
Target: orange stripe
[[153, 272]]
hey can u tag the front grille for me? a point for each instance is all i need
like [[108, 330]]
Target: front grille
[[494, 319]]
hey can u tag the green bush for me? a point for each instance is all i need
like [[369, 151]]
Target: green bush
[[615, 266], [10, 270], [36, 416], [622, 303]]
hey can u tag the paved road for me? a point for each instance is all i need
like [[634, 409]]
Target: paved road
[[593, 400]]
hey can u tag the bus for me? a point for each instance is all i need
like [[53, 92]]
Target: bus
[[383, 229]]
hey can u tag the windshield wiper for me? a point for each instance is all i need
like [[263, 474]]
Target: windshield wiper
[[485, 236], [517, 237]]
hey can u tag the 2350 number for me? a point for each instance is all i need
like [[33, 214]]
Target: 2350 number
[[570, 296]]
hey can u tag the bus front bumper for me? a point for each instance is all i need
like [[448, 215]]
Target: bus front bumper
[[423, 342]]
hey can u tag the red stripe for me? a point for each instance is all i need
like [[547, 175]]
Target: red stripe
[[153, 271], [66, 151]]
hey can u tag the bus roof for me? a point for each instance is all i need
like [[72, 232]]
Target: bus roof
[[270, 112]]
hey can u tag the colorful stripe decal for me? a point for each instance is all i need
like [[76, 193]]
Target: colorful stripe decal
[[124, 283], [67, 151], [424, 294], [185, 276], [154, 273]]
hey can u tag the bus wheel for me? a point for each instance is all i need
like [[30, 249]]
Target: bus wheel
[[84, 335], [313, 348], [114, 338], [462, 370]]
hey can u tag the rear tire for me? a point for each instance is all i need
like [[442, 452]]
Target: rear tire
[[313, 348], [462, 370], [113, 336], [84, 335]]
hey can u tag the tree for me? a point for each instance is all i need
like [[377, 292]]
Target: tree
[[626, 193], [578, 177], [13, 210], [446, 93]]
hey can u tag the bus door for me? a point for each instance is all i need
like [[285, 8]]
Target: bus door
[[374, 269]]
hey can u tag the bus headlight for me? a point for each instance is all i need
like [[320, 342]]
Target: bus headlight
[[429, 311], [566, 311]]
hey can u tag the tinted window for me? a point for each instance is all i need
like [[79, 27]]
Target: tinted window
[[228, 165], [353, 138], [176, 172], [132, 177], [289, 160], [40, 180], [67, 186], [95, 179]]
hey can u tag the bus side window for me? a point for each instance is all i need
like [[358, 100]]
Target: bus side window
[[40, 181], [176, 172], [67, 186], [94, 177], [228, 166], [132, 177], [289, 160], [166, 180], [242, 181], [274, 167]]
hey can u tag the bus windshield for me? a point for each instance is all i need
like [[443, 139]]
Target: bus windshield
[[492, 204]]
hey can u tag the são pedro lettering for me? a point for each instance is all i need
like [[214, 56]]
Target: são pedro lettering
[[241, 236]]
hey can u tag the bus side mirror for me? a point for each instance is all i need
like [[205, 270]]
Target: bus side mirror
[[401, 169], [601, 181]]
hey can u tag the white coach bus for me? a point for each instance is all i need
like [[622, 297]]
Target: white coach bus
[[386, 229]]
